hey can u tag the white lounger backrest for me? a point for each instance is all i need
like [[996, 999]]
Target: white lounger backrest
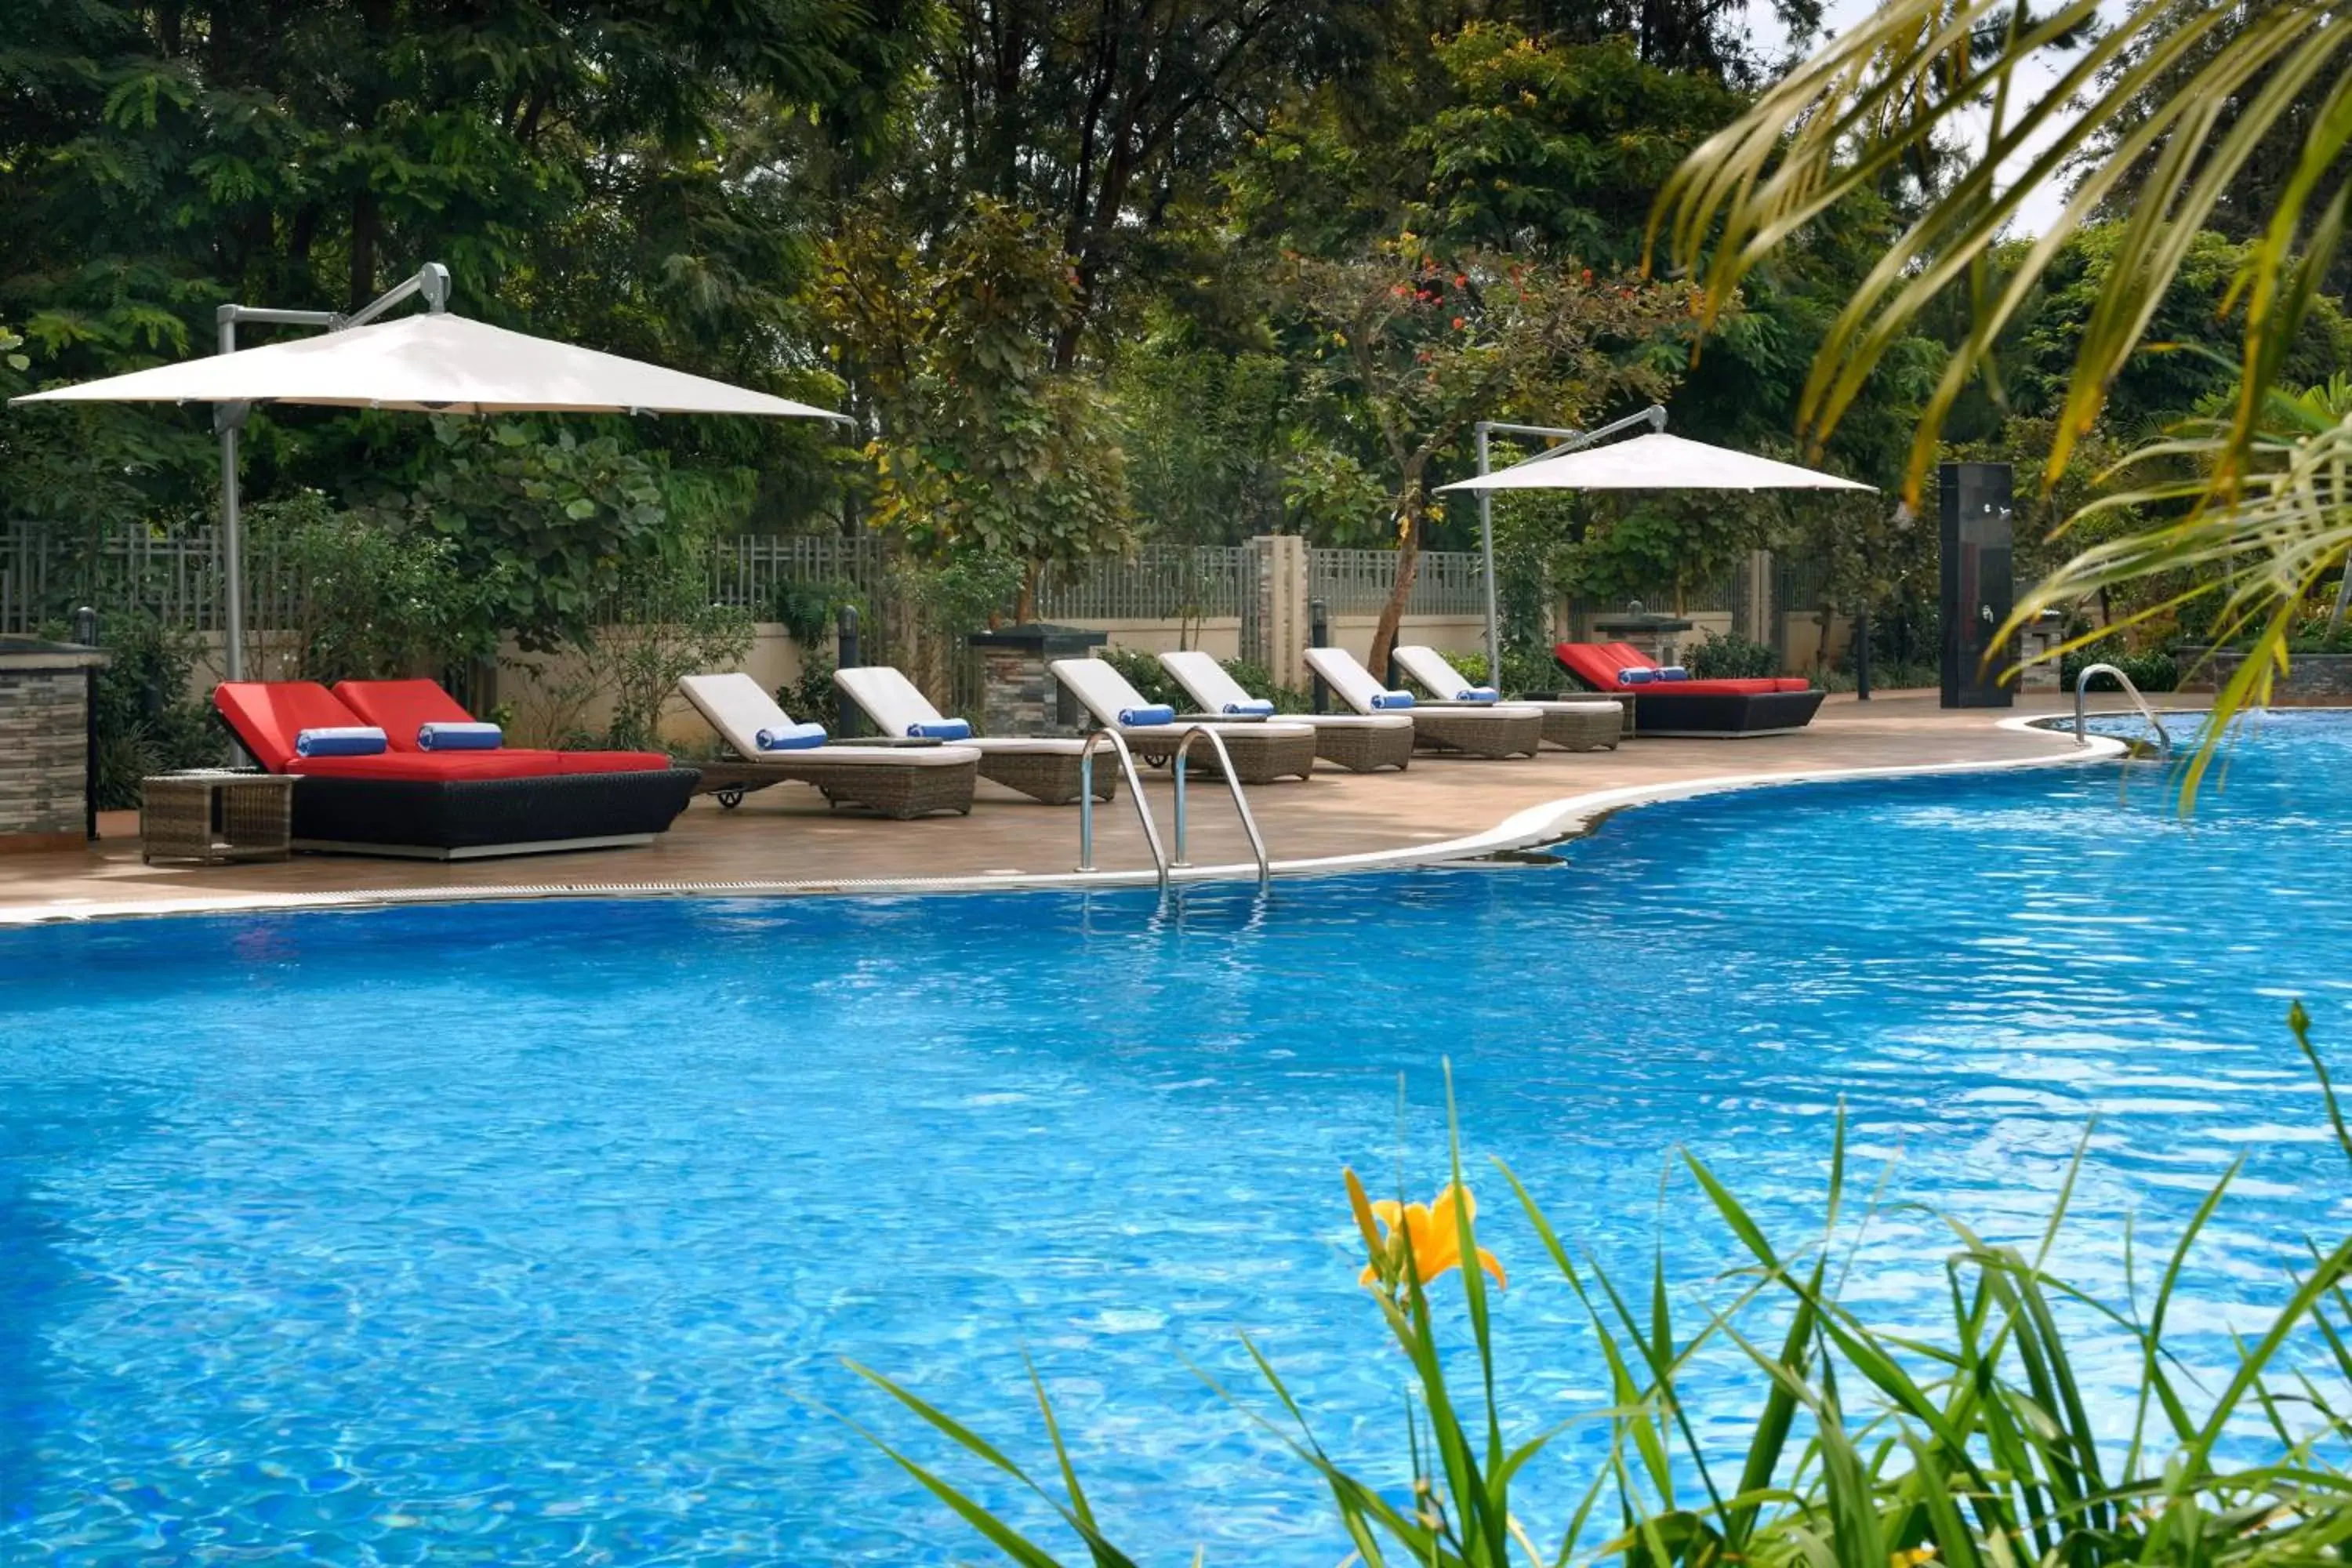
[[1340, 670], [1205, 680], [894, 702], [1431, 668], [738, 707], [1102, 690]]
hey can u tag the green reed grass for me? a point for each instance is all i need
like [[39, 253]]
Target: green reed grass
[[1866, 1449]]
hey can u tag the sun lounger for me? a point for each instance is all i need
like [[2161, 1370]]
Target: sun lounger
[[447, 806], [1503, 730], [1262, 752], [899, 781], [1592, 724], [1762, 705], [1358, 742], [1043, 767]]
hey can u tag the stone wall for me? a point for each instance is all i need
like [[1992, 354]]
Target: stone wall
[[44, 748], [2311, 679]]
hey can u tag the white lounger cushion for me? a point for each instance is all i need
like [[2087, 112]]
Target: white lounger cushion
[[739, 707], [1436, 671], [1211, 686], [1104, 691], [1348, 677], [895, 703]]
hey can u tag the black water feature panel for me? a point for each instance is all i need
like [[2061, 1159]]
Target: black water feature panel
[[845, 713], [1318, 635], [1979, 586]]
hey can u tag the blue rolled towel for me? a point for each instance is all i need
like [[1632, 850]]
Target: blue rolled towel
[[1673, 672], [468, 737], [1638, 674], [940, 729], [1257, 705], [1477, 694], [793, 737], [1391, 698], [340, 740], [1157, 713]]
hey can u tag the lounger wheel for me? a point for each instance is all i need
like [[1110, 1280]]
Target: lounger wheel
[[727, 799]]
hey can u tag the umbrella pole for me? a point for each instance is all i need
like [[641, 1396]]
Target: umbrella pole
[[1486, 551], [228, 418]]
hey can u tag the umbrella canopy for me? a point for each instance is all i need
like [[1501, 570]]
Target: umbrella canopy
[[436, 364], [1654, 462]]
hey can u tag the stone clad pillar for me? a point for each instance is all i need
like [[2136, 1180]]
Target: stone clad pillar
[[43, 743], [1019, 695], [1274, 621]]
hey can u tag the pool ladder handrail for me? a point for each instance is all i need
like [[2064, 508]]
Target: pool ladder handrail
[[2082, 690], [1161, 864]]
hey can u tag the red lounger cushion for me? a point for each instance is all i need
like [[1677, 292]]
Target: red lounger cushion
[[400, 707], [1634, 659], [1596, 665], [268, 716]]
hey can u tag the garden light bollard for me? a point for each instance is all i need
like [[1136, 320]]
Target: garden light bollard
[[1318, 635], [846, 635]]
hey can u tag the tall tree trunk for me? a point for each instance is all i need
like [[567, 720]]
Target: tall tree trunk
[[1411, 506]]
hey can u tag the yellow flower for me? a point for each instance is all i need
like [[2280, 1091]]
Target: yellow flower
[[1914, 1558], [1430, 1231]]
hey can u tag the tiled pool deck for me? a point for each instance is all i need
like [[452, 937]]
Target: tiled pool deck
[[785, 840]]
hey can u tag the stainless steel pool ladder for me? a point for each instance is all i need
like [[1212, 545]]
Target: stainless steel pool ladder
[[1161, 863], [2083, 686]]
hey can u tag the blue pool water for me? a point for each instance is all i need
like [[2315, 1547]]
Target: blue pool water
[[537, 1233]]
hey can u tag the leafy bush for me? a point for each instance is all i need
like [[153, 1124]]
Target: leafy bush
[[1256, 679], [1727, 655], [146, 722], [1147, 675], [813, 698], [1526, 672], [374, 598], [1864, 1446], [2156, 670]]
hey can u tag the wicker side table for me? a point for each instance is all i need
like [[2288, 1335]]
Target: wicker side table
[[216, 816]]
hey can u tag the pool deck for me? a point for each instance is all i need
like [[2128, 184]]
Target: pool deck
[[785, 840]]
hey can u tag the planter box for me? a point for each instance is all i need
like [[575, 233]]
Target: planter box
[[2311, 679]]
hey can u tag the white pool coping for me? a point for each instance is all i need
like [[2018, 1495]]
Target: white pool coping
[[1537, 825]]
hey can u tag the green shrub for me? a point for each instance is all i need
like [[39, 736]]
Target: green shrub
[[1863, 1446], [1147, 676], [146, 722], [2156, 670], [1727, 655], [1527, 672]]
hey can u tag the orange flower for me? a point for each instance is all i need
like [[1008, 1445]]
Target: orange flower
[[1431, 1234]]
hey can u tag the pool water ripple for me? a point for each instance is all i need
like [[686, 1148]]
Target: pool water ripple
[[537, 1234]]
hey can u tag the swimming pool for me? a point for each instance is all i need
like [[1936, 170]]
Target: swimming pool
[[523, 1231]]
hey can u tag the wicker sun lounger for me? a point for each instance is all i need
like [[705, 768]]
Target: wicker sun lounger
[[1357, 741], [1043, 767], [1504, 729], [1262, 752], [1589, 724], [899, 781]]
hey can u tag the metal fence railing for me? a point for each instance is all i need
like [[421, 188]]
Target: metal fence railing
[[1161, 583], [1357, 582], [176, 578]]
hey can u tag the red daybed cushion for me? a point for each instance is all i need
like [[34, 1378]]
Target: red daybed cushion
[[270, 716], [399, 707], [1596, 664]]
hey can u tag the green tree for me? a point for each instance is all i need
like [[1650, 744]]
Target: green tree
[[2163, 114], [1410, 351], [983, 443]]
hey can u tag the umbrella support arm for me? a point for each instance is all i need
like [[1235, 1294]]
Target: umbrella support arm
[[432, 280], [1568, 440]]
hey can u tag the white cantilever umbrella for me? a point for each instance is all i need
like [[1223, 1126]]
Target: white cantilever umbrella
[[436, 364], [1656, 461]]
